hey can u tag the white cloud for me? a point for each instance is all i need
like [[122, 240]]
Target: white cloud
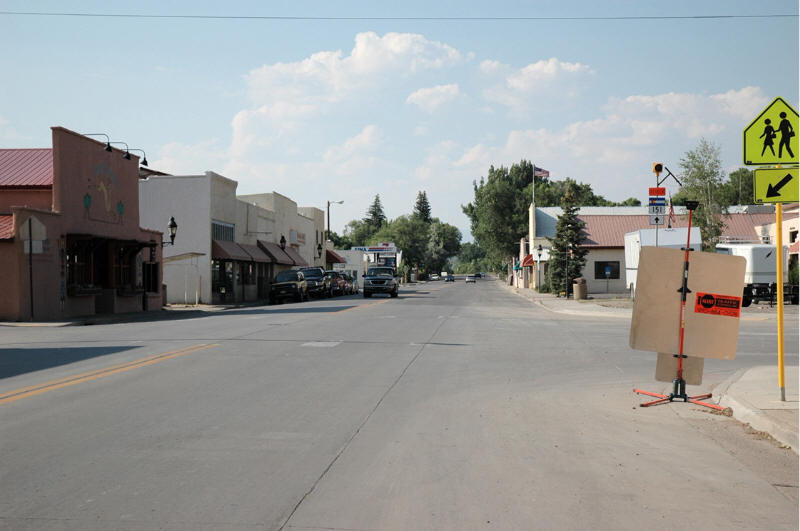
[[612, 152], [550, 81], [366, 141], [330, 76], [429, 99]]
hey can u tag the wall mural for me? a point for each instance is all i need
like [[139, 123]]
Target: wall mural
[[105, 184]]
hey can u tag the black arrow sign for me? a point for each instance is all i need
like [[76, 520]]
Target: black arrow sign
[[775, 191]]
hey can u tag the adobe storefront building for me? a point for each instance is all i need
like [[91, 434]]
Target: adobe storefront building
[[76, 207]]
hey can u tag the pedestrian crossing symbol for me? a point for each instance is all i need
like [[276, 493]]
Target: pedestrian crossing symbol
[[771, 138]]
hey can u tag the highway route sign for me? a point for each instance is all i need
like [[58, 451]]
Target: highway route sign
[[776, 185], [657, 219], [657, 210], [771, 138]]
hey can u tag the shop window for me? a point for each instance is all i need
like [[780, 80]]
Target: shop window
[[79, 265], [123, 268], [221, 276], [222, 231], [600, 269]]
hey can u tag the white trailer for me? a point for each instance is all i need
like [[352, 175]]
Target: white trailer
[[669, 238], [760, 271]]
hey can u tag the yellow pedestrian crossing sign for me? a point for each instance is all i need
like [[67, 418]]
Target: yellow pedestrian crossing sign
[[776, 185], [772, 137]]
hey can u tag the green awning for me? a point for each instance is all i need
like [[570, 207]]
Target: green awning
[[517, 267]]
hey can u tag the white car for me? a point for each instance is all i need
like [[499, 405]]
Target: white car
[[434, 277], [470, 278]]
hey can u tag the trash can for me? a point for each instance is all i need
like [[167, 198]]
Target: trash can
[[579, 288]]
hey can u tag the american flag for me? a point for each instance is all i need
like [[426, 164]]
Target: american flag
[[540, 172]]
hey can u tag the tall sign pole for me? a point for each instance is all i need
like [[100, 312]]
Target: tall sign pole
[[774, 183]]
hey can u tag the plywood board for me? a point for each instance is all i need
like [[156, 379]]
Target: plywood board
[[667, 369], [655, 324]]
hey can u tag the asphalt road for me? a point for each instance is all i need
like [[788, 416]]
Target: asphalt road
[[451, 407]]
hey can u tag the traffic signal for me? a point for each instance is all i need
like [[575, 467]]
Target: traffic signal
[[658, 167]]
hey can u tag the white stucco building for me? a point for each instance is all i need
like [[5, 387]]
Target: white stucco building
[[228, 248]]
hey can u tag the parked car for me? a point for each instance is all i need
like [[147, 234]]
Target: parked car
[[289, 284], [318, 284], [470, 279], [380, 280], [434, 277], [348, 283], [449, 278], [478, 275], [337, 282]]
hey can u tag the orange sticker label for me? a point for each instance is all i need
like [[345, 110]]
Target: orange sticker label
[[714, 304]]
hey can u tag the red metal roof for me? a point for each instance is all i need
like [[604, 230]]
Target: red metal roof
[[6, 227], [333, 258], [609, 231], [23, 168]]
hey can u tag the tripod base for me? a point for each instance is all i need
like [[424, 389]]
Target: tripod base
[[678, 393]]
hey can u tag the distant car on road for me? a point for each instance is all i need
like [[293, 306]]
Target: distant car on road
[[434, 277], [380, 280], [470, 279], [449, 278]]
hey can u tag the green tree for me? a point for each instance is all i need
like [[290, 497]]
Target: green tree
[[422, 208], [702, 178], [410, 234], [375, 216], [444, 242], [738, 189], [358, 232], [341, 242], [498, 213], [569, 236]]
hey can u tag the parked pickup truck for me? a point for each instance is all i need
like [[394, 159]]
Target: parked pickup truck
[[380, 280]]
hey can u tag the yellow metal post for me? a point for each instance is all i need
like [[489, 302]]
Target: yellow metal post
[[779, 262]]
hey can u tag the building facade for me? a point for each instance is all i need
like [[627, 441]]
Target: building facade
[[229, 247], [70, 238]]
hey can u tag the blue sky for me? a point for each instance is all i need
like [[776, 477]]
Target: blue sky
[[346, 109]]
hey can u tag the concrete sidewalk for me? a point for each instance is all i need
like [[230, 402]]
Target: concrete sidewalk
[[752, 394]]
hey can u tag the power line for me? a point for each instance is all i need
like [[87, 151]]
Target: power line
[[398, 19]]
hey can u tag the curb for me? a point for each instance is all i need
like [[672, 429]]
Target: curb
[[747, 413]]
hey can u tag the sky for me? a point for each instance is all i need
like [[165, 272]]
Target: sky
[[346, 100]]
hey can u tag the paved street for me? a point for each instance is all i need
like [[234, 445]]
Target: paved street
[[451, 407]]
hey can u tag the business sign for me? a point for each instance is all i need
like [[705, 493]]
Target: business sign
[[382, 248], [776, 185], [771, 138]]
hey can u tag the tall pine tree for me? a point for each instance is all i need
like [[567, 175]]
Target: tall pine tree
[[375, 217], [422, 208], [569, 236]]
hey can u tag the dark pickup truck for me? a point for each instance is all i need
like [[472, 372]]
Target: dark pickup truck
[[380, 280]]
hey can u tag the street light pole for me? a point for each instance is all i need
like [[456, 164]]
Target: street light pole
[[328, 235], [538, 268]]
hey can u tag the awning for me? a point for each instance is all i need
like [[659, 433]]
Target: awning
[[528, 261], [256, 253], [296, 258], [517, 267], [793, 248], [333, 258], [274, 250], [222, 250]]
